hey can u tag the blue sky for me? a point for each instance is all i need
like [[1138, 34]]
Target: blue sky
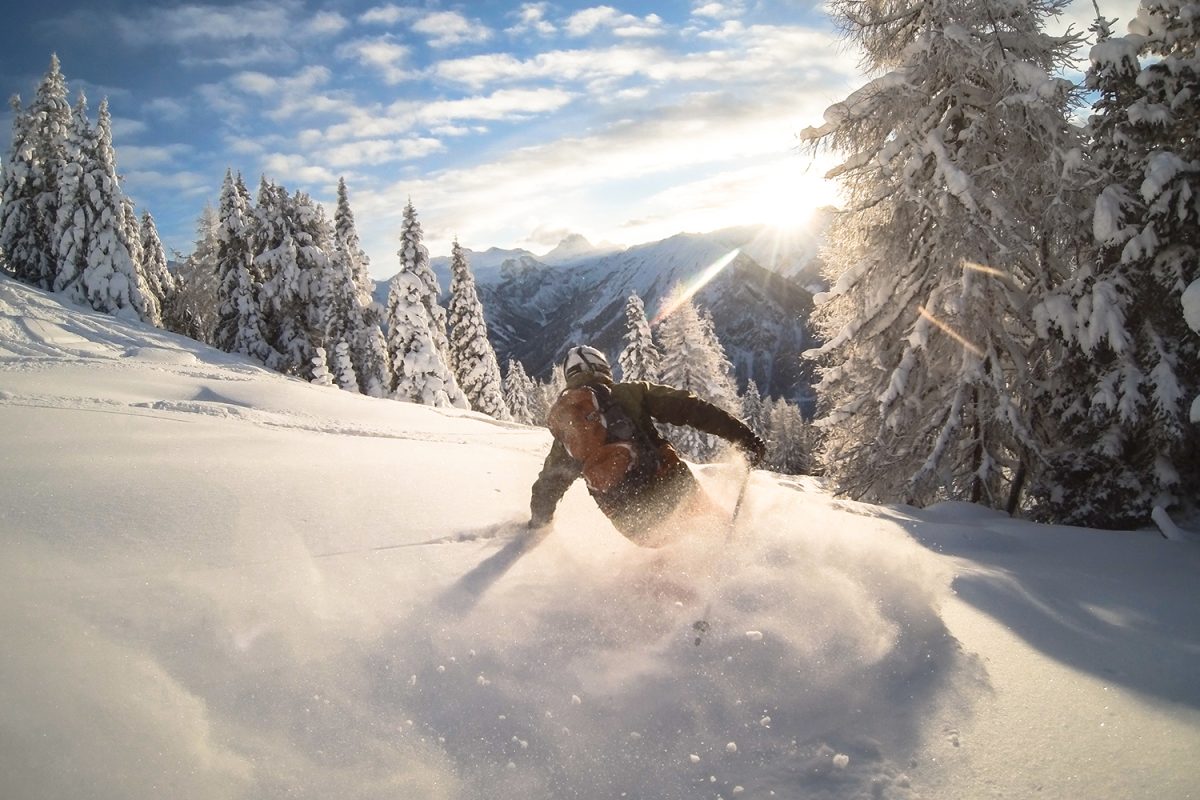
[[508, 124]]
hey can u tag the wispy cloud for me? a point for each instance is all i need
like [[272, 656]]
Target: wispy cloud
[[715, 10], [557, 65], [290, 167], [327, 23], [136, 157], [383, 54], [587, 21], [378, 151], [504, 104], [256, 32], [449, 28], [531, 18], [389, 14]]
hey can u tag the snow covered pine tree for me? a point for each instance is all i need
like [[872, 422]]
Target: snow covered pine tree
[[957, 154]]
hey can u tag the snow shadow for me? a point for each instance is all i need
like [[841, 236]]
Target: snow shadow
[[1099, 602]]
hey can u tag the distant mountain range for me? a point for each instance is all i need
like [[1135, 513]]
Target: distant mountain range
[[537, 306]]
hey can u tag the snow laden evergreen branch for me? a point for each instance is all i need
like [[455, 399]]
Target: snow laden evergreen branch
[[959, 167]]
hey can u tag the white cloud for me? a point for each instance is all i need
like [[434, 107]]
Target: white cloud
[[532, 19], [376, 151], [383, 54], [143, 157], [389, 14], [448, 28], [193, 184], [123, 127], [167, 108], [559, 65], [198, 22], [587, 21], [558, 182], [504, 104], [327, 23], [717, 10], [290, 169]]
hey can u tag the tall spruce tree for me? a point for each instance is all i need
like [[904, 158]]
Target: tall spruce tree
[[519, 393], [29, 212], [132, 232], [194, 312], [288, 254], [1122, 416], [419, 373], [76, 215], [159, 279], [960, 162], [414, 258], [640, 360], [367, 345], [416, 323], [109, 281], [239, 327], [471, 354], [755, 411], [347, 235], [789, 441], [694, 360]]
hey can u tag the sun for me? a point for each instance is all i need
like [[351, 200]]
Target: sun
[[787, 196]]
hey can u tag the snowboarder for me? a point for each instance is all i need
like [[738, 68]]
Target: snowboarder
[[605, 432]]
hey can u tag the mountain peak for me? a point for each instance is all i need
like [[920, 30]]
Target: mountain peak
[[573, 246]]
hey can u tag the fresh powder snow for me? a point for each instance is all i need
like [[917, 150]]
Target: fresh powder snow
[[219, 582]]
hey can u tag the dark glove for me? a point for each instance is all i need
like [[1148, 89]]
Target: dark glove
[[538, 521], [754, 448]]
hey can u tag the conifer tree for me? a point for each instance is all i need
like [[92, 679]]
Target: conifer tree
[[132, 232], [519, 393], [1122, 414], [161, 283], [414, 260], [76, 216], [289, 238], [694, 360], [29, 213], [419, 373], [416, 324], [17, 206], [240, 327], [96, 266], [347, 235], [960, 169], [194, 312], [471, 354], [368, 347], [755, 411], [789, 443], [339, 315], [641, 359]]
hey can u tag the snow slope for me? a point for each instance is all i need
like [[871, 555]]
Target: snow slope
[[221, 583]]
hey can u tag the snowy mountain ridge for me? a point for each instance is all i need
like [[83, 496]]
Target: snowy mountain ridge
[[537, 307]]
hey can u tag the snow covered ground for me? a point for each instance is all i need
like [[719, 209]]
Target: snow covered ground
[[216, 582]]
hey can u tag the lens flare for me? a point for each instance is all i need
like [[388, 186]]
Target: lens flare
[[670, 305], [953, 334]]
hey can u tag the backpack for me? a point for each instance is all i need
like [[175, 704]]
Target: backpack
[[616, 454]]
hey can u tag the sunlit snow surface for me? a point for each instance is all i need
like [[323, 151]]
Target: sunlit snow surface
[[220, 583]]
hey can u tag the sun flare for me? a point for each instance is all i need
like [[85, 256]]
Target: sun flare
[[787, 196]]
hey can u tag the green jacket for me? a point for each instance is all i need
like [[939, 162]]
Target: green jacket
[[645, 403]]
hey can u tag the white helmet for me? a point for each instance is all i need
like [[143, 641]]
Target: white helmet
[[584, 359]]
